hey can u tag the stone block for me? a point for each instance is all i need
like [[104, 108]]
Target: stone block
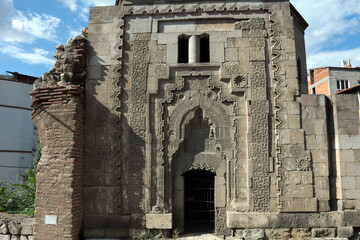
[[308, 100], [159, 221], [244, 54], [250, 234], [348, 182], [231, 55], [322, 183], [298, 178], [323, 232], [247, 220], [296, 136], [352, 169], [314, 126], [288, 44], [13, 228], [352, 218], [256, 33], [294, 121], [242, 42], [4, 229], [346, 155], [257, 54], [320, 155], [220, 192], [324, 205], [300, 233], [15, 237], [23, 238], [316, 142], [282, 233], [300, 204], [352, 194], [31, 238], [26, 229], [217, 52], [5, 237], [345, 232], [321, 169], [100, 48], [291, 73]]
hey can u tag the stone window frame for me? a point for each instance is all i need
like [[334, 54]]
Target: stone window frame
[[193, 53]]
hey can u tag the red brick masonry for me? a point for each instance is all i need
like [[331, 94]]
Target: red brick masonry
[[59, 116]]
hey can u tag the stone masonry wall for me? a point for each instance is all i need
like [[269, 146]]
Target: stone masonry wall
[[315, 124], [345, 150], [16, 227], [59, 115]]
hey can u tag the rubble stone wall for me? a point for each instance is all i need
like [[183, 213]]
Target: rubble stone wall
[[16, 227]]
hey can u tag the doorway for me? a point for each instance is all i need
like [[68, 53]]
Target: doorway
[[199, 202]]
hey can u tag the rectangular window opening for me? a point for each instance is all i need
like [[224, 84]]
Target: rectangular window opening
[[342, 84], [204, 49], [183, 49]]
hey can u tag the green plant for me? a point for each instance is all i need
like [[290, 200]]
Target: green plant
[[38, 151], [5, 195], [144, 235], [175, 234], [20, 197]]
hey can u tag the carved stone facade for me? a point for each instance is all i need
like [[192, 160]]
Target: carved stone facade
[[236, 112]]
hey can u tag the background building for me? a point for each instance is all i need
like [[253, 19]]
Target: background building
[[16, 127], [329, 80]]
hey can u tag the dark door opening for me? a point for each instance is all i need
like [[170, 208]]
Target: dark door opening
[[199, 202]]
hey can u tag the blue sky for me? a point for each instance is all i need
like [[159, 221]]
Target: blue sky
[[30, 30]]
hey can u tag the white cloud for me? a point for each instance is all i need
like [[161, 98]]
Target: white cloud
[[328, 19], [333, 58], [35, 25], [71, 4], [331, 22], [17, 26], [75, 5], [38, 56], [74, 32]]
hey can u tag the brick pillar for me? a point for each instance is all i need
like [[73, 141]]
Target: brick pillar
[[59, 116]]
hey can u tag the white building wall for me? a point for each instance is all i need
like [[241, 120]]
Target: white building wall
[[16, 130]]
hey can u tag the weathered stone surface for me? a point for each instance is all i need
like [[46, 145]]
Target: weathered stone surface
[[323, 232], [26, 229], [278, 233], [5, 237], [159, 221], [251, 234], [14, 228], [4, 228], [345, 232]]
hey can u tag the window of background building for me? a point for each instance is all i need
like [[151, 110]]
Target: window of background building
[[342, 84]]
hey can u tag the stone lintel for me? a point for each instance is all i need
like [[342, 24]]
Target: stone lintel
[[159, 221]]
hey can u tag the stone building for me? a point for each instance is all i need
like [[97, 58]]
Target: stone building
[[193, 115]]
